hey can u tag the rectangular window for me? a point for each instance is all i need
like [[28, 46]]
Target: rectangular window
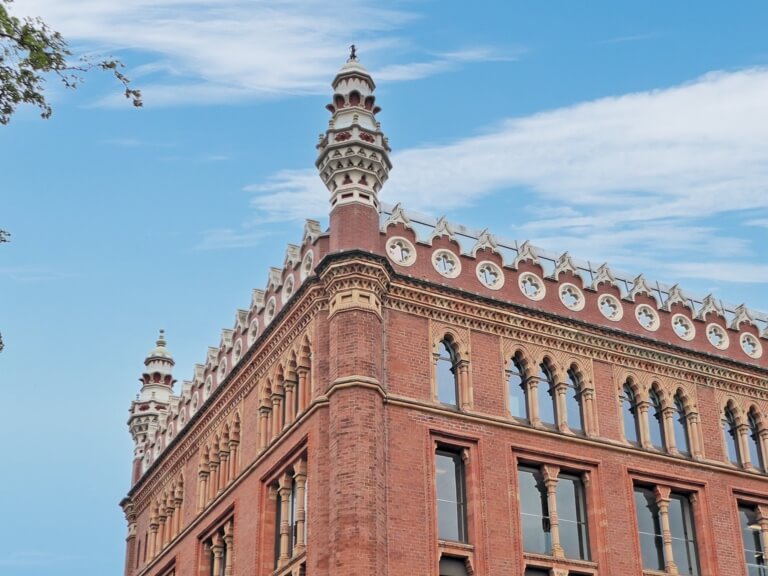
[[450, 566], [451, 496], [570, 503], [754, 556], [682, 534]]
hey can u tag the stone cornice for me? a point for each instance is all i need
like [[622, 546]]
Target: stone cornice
[[518, 322]]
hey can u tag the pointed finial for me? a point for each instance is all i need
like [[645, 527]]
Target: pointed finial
[[352, 53], [161, 338]]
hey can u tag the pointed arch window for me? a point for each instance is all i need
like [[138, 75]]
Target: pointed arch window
[[573, 406], [656, 421], [755, 453], [680, 424], [731, 436], [517, 389], [629, 412], [447, 375], [546, 395]]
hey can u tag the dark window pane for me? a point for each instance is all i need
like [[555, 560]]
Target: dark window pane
[[517, 391], [755, 454], [446, 376], [656, 421], [451, 516], [534, 511], [629, 409], [545, 396], [573, 403], [452, 566], [753, 545], [649, 529], [731, 437], [571, 511], [530, 571], [681, 428], [683, 536]]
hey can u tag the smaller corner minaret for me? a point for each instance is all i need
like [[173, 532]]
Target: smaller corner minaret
[[353, 158], [150, 409]]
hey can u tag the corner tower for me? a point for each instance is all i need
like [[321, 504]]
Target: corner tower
[[150, 408], [353, 159]]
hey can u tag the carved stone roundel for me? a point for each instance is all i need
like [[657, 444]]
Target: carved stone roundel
[[306, 265], [717, 336], [683, 327], [647, 317], [571, 296], [610, 307], [751, 345], [490, 275], [446, 263], [401, 251], [532, 286]]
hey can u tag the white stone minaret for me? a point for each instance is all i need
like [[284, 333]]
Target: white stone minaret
[[353, 157], [151, 406]]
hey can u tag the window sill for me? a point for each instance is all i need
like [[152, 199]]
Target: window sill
[[296, 566], [545, 560]]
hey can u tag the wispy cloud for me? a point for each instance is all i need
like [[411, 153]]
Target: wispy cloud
[[35, 558], [651, 170], [628, 38], [231, 50], [221, 238], [33, 274]]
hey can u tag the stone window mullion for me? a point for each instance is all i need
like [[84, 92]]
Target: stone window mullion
[[202, 484], [550, 481], [465, 390], [284, 501], [642, 416], [229, 543], [264, 412], [588, 411], [217, 549], [178, 500], [561, 410], [662, 501], [303, 375], [533, 400], [300, 478]]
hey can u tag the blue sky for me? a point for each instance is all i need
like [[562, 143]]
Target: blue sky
[[629, 132]]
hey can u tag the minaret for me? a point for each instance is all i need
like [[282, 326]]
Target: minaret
[[353, 159], [151, 403]]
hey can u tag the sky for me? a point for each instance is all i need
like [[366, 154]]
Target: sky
[[629, 132]]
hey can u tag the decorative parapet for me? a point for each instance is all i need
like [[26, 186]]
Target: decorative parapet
[[604, 275], [741, 314], [312, 232], [397, 216], [639, 286], [485, 242], [442, 228], [525, 253], [708, 305], [275, 279], [292, 256], [676, 296], [257, 299], [564, 264]]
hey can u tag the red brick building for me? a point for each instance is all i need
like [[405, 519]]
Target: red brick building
[[409, 397]]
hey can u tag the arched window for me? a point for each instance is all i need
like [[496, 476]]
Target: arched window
[[731, 436], [447, 375], [680, 423], [629, 412], [517, 389], [656, 421], [573, 406], [755, 453], [546, 395]]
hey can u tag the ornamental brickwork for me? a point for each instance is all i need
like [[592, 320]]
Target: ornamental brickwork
[[411, 397]]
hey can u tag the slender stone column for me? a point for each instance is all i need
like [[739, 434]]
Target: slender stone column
[[223, 463], [153, 526], [178, 499], [662, 502], [300, 478], [550, 481], [284, 502], [561, 410], [202, 485], [762, 510], [233, 455], [277, 414], [743, 438], [533, 400], [218, 554], [170, 520], [290, 402], [670, 442], [304, 391], [642, 416], [264, 431], [694, 434], [205, 565], [213, 484], [465, 390], [588, 411], [229, 543], [762, 445]]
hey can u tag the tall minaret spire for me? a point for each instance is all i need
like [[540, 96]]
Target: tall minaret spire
[[150, 408], [353, 154]]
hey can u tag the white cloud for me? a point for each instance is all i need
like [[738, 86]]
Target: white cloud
[[227, 50], [227, 238], [621, 178]]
